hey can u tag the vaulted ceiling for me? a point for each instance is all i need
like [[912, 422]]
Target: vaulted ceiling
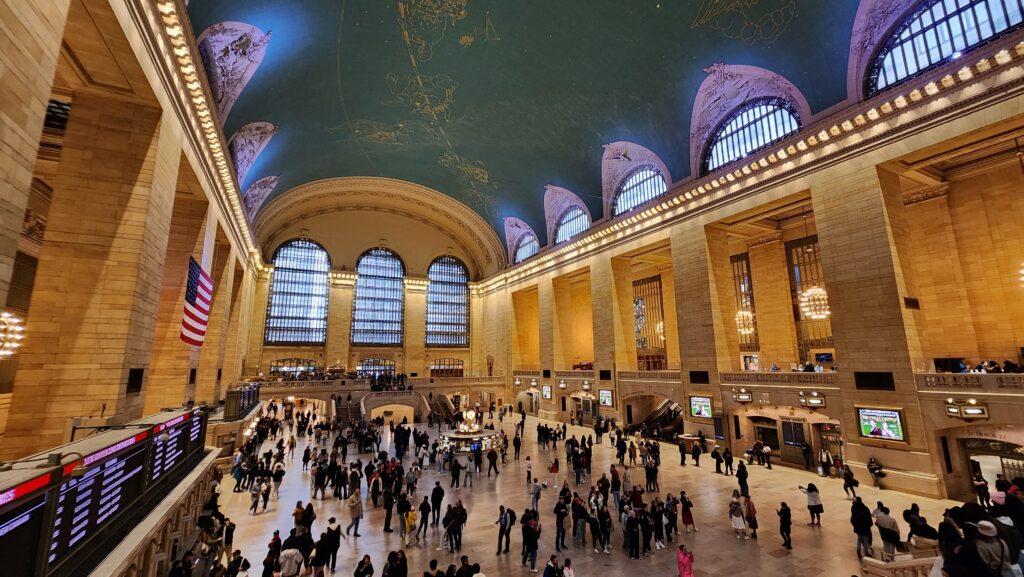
[[487, 101]]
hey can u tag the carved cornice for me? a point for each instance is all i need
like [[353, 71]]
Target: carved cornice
[[926, 194], [766, 239]]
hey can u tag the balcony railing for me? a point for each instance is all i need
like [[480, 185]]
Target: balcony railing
[[779, 378], [991, 382], [663, 376], [364, 384], [526, 373], [575, 374]]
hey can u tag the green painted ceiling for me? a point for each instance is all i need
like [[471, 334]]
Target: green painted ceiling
[[489, 100]]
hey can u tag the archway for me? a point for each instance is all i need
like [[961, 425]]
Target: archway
[[990, 449], [528, 401]]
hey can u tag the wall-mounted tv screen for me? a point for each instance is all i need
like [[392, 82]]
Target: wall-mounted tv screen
[[700, 407], [885, 424], [604, 397]]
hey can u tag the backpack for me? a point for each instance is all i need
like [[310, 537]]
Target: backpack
[[734, 510]]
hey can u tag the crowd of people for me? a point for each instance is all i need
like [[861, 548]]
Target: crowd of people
[[585, 503]]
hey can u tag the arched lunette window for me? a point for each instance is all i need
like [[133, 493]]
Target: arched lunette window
[[297, 307], [755, 125], [526, 247], [936, 32], [447, 303], [574, 221], [645, 184], [379, 304]]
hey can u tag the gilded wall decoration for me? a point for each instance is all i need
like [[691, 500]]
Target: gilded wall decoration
[[257, 193], [425, 23], [231, 53], [247, 143], [752, 21]]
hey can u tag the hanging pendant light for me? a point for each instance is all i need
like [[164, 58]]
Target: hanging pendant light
[[814, 304], [10, 334], [745, 322]]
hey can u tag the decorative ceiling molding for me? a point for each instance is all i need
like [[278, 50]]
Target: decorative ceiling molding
[[765, 239], [457, 221], [247, 143], [515, 229], [922, 195], [619, 161], [257, 193], [727, 87], [875, 19], [557, 200], [231, 53]]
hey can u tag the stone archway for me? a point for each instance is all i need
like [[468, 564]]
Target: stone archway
[[990, 448]]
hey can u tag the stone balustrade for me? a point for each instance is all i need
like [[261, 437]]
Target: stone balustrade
[[796, 379], [526, 373], [921, 567], [363, 385], [661, 376], [575, 374], [989, 382]]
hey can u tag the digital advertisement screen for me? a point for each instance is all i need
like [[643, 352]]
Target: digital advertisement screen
[[604, 397], [886, 424], [545, 391], [700, 407]]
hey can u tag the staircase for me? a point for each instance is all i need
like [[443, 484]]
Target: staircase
[[440, 405], [347, 412]]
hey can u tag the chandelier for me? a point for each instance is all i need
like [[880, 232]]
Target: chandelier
[[10, 334], [814, 303], [745, 322]]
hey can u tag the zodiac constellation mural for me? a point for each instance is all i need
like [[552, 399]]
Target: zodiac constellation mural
[[247, 143], [231, 53], [427, 21], [752, 21], [395, 134], [423, 94], [257, 193]]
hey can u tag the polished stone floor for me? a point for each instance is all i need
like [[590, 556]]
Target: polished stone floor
[[825, 550]]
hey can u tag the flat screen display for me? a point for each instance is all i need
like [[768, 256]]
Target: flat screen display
[[886, 424], [604, 397], [171, 444], [823, 357], [113, 480], [545, 391], [700, 407], [20, 529]]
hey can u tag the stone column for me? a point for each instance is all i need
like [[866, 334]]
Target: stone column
[[172, 357], [211, 359], [863, 239], [612, 302], [561, 325], [339, 319], [31, 36], [773, 302], [549, 408], [238, 328], [97, 289], [415, 325], [261, 296]]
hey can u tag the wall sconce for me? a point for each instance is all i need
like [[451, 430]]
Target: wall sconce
[[969, 410], [533, 382], [742, 396], [586, 385], [518, 381], [813, 400], [562, 385]]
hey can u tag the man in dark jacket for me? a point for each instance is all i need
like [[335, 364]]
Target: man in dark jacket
[[436, 497], [860, 518]]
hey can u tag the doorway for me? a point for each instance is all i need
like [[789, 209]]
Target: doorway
[[991, 458], [629, 414]]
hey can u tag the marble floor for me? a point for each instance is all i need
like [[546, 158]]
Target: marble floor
[[825, 550]]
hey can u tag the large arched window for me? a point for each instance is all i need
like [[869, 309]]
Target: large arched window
[[448, 303], [297, 307], [573, 222], [645, 184], [936, 32], [526, 247], [754, 125], [379, 302]]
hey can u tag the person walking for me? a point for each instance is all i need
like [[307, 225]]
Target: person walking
[[889, 531], [355, 511], [785, 524], [739, 526], [684, 561], [814, 506], [741, 478], [436, 498], [492, 462], [750, 514], [504, 528], [425, 510], [860, 518], [531, 542], [849, 483], [517, 443], [727, 460]]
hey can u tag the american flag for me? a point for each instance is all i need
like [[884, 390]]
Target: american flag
[[198, 294]]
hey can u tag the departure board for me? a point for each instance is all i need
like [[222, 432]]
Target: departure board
[[20, 528], [114, 479], [171, 444], [196, 432]]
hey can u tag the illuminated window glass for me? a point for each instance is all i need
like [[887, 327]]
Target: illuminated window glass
[[292, 366], [379, 301], [446, 368], [751, 127], [645, 184], [746, 320], [939, 31], [375, 367], [526, 248], [448, 303], [297, 307], [573, 222]]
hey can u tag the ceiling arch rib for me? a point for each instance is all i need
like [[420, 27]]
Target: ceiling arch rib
[[464, 227]]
